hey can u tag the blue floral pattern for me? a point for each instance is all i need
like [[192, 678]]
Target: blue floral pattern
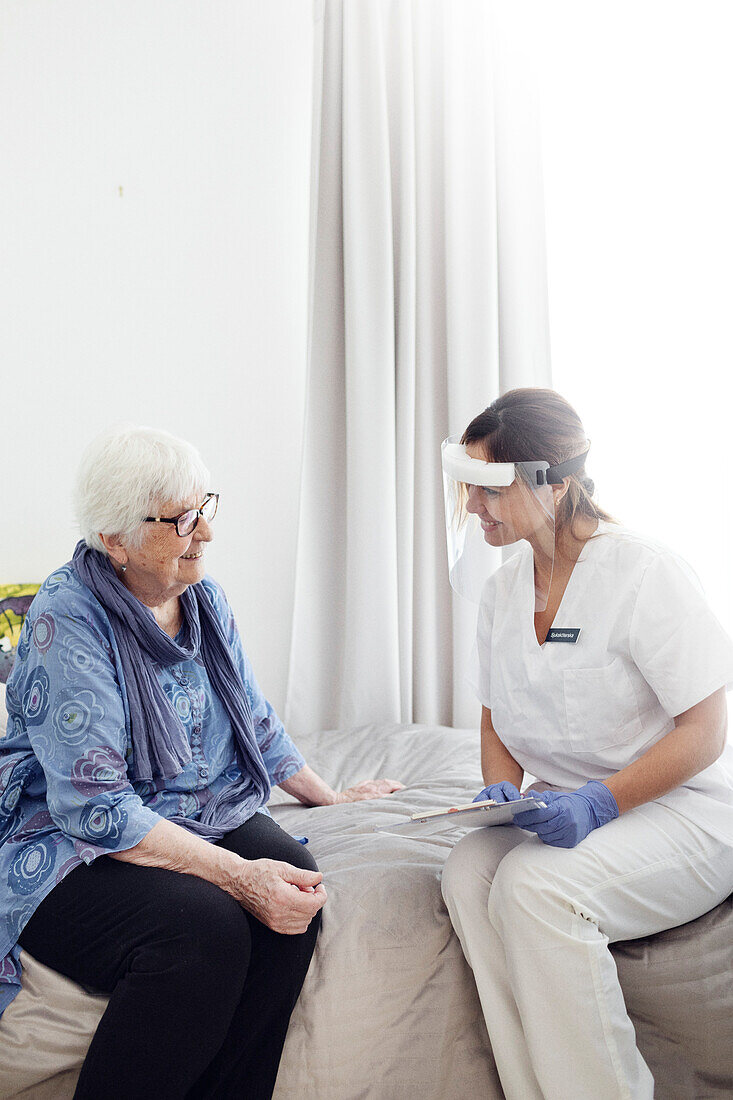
[[79, 658], [98, 768], [180, 702], [36, 698], [87, 852], [57, 579], [286, 767], [9, 818], [42, 822], [22, 650], [16, 719], [75, 714], [20, 913], [17, 773], [43, 632], [103, 821], [32, 865]]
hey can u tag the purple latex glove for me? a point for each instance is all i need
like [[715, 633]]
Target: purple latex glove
[[499, 792], [569, 818]]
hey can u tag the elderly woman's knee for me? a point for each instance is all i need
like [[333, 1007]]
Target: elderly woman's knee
[[202, 922], [303, 858]]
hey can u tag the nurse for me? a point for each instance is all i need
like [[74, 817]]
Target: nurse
[[602, 673]]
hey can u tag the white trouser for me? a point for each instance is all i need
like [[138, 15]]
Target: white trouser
[[535, 923]]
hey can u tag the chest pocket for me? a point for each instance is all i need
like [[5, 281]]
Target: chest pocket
[[600, 707]]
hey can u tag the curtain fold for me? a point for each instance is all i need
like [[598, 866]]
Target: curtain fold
[[428, 297]]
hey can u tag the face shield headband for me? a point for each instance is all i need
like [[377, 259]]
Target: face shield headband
[[502, 504]]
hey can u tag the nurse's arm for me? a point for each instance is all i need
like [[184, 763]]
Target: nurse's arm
[[695, 743], [497, 762]]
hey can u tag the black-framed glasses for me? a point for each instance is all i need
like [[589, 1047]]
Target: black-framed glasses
[[186, 522]]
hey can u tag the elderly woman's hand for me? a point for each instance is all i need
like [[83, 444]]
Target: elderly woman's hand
[[370, 788], [310, 789], [283, 897]]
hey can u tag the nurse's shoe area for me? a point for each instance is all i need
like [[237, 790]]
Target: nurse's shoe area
[[389, 1007]]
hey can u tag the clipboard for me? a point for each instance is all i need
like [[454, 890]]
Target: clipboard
[[470, 816]]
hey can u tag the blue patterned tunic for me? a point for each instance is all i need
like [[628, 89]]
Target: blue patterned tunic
[[65, 793]]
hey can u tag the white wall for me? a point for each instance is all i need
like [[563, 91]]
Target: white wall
[[636, 100], [154, 218]]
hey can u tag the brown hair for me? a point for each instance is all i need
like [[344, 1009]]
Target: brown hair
[[538, 425]]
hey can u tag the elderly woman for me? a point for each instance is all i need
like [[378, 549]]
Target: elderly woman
[[136, 853]]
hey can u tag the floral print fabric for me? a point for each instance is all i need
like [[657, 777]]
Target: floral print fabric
[[65, 794]]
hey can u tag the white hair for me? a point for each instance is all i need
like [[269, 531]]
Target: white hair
[[125, 473]]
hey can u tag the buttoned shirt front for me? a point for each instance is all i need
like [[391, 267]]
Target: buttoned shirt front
[[647, 648]]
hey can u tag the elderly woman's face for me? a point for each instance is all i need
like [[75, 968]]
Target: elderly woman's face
[[165, 563]]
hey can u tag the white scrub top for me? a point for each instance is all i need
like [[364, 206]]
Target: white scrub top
[[649, 648]]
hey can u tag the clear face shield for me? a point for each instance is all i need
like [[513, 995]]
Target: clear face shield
[[499, 504]]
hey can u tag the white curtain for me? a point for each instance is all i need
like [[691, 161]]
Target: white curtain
[[428, 298]]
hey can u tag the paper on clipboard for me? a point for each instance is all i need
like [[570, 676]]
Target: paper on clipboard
[[470, 816]]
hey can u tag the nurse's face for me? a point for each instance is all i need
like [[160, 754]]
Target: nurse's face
[[506, 513]]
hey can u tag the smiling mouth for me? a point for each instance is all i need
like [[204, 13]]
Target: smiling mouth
[[192, 557]]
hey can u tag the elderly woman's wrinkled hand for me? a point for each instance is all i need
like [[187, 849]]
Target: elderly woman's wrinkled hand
[[283, 897], [370, 788]]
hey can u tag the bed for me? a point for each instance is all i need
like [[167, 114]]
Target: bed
[[389, 1008]]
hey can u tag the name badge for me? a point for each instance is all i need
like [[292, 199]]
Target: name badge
[[564, 634]]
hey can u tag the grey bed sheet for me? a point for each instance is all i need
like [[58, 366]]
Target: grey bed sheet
[[389, 1009]]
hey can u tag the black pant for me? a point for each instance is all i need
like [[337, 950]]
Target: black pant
[[200, 991]]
